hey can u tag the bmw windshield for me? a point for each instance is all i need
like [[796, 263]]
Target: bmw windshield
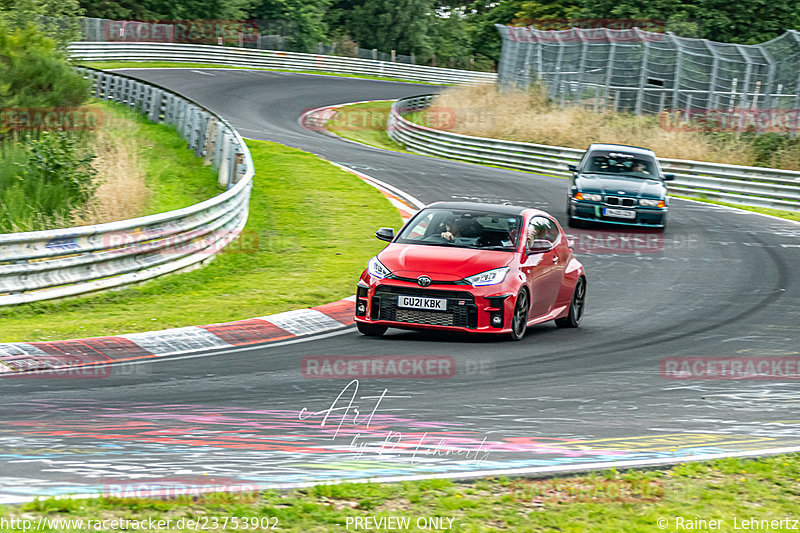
[[621, 164], [483, 230]]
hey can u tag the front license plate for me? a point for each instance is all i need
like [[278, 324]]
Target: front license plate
[[619, 213], [417, 302]]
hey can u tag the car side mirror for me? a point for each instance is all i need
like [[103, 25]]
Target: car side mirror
[[572, 168], [385, 234], [669, 177], [538, 246]]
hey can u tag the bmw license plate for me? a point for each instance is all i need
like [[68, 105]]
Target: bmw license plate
[[418, 302], [619, 213]]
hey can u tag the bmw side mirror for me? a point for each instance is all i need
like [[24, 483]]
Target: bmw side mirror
[[669, 177], [537, 246], [385, 234], [572, 168]]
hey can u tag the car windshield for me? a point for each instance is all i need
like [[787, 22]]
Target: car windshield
[[485, 230], [621, 163]]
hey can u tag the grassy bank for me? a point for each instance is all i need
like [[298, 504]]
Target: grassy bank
[[107, 65], [139, 169], [308, 236], [636, 501]]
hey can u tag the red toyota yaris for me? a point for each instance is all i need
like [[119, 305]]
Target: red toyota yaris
[[472, 267]]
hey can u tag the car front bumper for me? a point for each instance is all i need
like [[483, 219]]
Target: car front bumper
[[470, 309], [651, 217]]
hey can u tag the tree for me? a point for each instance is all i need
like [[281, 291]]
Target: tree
[[36, 73], [746, 21], [56, 18], [300, 20], [401, 25], [165, 10]]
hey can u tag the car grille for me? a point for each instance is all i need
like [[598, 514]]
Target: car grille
[[621, 201], [461, 309], [420, 316]]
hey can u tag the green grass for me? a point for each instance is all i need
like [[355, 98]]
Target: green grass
[[764, 489], [308, 236], [175, 177], [108, 65], [791, 215], [365, 123]]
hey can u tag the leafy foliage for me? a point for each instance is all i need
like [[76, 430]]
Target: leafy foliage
[[35, 73], [55, 18], [43, 181]]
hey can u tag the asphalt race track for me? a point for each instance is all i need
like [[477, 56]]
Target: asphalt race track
[[719, 283]]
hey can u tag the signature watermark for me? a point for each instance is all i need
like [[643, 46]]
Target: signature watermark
[[356, 415]]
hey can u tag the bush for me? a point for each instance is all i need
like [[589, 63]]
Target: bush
[[43, 182], [35, 73]]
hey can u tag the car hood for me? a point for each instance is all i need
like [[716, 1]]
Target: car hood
[[445, 263], [605, 184]]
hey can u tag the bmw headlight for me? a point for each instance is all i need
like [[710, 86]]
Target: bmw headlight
[[490, 277], [376, 268], [589, 196], [646, 202]]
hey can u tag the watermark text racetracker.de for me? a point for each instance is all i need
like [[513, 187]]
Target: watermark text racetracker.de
[[763, 120], [372, 118], [394, 366], [775, 368], [586, 490], [595, 30], [19, 119], [630, 241]]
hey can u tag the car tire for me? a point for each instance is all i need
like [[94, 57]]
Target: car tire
[[371, 330], [574, 223], [519, 319], [576, 306]]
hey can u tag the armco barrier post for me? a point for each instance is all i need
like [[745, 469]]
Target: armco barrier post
[[231, 162], [224, 160], [202, 128], [219, 147], [209, 150]]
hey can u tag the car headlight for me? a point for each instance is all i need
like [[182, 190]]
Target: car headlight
[[651, 203], [376, 268], [589, 196], [490, 277]]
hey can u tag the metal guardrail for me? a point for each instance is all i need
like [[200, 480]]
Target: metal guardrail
[[42, 265], [749, 186], [270, 59]]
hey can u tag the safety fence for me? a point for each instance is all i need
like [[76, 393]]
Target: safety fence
[[42, 265], [269, 59], [646, 72], [742, 185]]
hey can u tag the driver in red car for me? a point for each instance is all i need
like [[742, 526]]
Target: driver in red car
[[461, 227]]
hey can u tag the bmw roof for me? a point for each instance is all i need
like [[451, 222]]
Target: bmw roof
[[621, 148]]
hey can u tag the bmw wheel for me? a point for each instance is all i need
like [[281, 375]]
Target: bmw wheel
[[575, 312]]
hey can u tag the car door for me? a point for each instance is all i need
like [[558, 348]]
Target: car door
[[544, 269]]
